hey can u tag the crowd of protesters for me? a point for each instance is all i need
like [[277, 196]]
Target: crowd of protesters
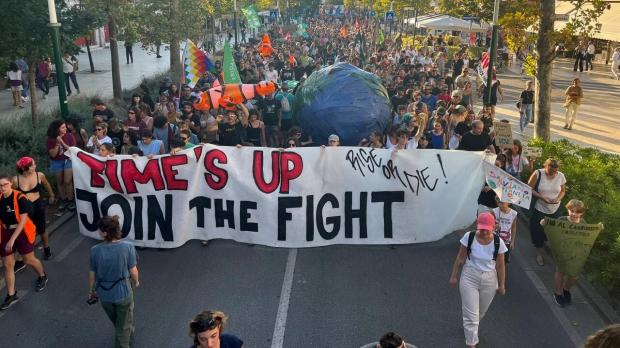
[[436, 105]]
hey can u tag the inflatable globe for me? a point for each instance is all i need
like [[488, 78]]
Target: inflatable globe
[[344, 100]]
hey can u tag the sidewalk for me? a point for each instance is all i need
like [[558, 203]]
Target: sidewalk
[[588, 312], [98, 83], [596, 125]]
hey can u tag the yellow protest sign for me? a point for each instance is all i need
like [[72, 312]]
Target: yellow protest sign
[[571, 243]]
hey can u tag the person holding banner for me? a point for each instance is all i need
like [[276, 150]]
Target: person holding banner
[[562, 280], [482, 258], [548, 188]]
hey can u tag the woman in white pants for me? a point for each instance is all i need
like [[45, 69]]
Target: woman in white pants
[[482, 276]]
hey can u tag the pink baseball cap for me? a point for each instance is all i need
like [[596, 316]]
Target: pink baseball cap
[[486, 221]]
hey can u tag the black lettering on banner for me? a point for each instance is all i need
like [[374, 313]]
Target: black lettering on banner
[[157, 217], [119, 200], [221, 214], [350, 214], [309, 218], [330, 220], [363, 160], [90, 197], [138, 226], [387, 197], [245, 215], [285, 203], [200, 203]]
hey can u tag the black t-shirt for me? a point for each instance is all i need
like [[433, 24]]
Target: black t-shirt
[[527, 97], [474, 142], [231, 135], [457, 68], [299, 72], [7, 209], [288, 74], [117, 138], [269, 109], [462, 128], [106, 114], [228, 341], [191, 99], [396, 101]]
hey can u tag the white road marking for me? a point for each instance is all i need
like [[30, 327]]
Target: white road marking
[[277, 341], [66, 251]]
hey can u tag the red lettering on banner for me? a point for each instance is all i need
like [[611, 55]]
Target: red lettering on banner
[[215, 172], [289, 174], [131, 175], [259, 177], [96, 167], [172, 183], [110, 172], [197, 152]]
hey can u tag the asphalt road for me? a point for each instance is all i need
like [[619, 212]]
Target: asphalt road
[[340, 296]]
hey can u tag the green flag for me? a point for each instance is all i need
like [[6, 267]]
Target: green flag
[[380, 37], [229, 68], [251, 16], [570, 243]]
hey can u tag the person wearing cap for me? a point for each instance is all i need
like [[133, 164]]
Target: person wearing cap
[[482, 276], [548, 188], [333, 140], [29, 182]]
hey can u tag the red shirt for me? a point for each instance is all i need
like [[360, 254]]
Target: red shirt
[[52, 143], [44, 69]]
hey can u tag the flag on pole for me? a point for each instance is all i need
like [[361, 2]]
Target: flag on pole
[[251, 16], [380, 38], [196, 62], [344, 31], [483, 67], [229, 68]]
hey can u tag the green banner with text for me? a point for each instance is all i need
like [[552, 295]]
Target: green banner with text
[[571, 243]]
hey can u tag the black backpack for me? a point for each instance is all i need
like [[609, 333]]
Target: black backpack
[[470, 241]]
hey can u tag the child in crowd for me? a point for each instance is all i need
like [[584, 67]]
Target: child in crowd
[[506, 225]]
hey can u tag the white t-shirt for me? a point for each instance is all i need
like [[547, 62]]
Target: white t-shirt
[[549, 188], [591, 49], [107, 139], [271, 75], [505, 223], [67, 65], [481, 257]]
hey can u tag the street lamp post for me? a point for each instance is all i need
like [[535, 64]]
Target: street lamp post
[[60, 78], [236, 26], [493, 55]]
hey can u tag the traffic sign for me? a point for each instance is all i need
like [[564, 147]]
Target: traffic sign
[[273, 13], [373, 13], [389, 16]]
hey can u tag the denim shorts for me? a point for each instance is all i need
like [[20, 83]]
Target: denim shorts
[[57, 166]]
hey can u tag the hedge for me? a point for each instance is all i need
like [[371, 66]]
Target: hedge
[[593, 176]]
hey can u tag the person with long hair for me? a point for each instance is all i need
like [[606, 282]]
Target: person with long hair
[[18, 233], [58, 141], [207, 331], [100, 137], [113, 263], [74, 126], [482, 258], [29, 182], [15, 76], [515, 161]]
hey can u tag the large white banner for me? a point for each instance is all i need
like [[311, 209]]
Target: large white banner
[[304, 197]]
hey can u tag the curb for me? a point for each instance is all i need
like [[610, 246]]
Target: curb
[[600, 305]]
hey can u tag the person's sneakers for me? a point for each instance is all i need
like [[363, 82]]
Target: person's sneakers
[[62, 205], [539, 260], [567, 296], [19, 265], [41, 283], [47, 253], [559, 300], [570, 128], [9, 300], [78, 91], [565, 126], [71, 206]]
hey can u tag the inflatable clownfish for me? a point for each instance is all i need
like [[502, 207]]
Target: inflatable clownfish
[[229, 95], [265, 49]]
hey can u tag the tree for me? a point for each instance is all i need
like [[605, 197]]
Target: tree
[[170, 21], [525, 22], [80, 22]]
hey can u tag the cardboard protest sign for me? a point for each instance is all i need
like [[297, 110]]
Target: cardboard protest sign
[[303, 197], [571, 243], [503, 134], [507, 187], [532, 152]]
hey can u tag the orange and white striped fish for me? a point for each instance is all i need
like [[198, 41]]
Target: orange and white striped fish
[[229, 95]]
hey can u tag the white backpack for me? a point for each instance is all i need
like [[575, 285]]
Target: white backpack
[[286, 106]]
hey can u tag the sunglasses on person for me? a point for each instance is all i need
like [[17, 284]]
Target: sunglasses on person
[[98, 129], [184, 138]]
